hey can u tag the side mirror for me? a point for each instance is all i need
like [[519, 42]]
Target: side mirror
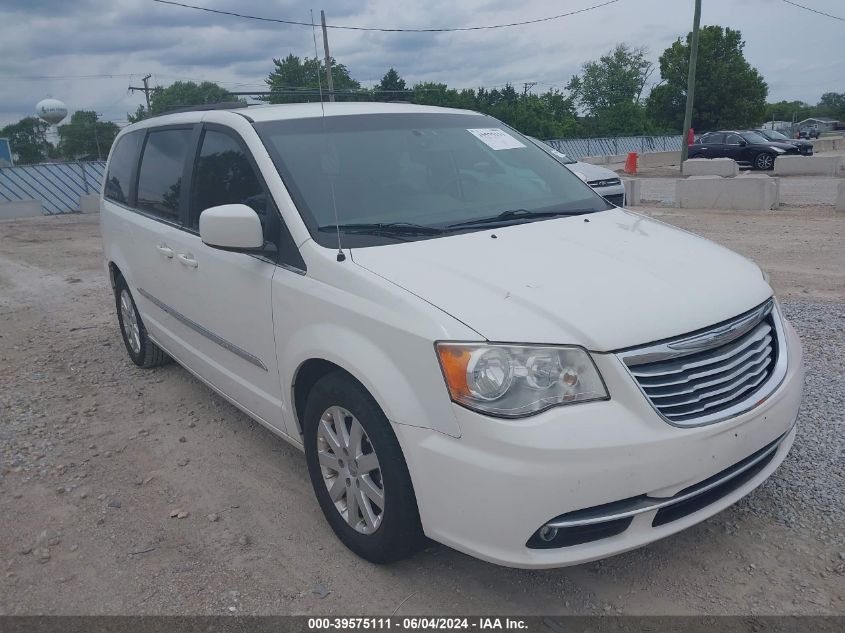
[[231, 226], [743, 143]]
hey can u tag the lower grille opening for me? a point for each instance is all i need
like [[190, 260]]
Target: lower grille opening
[[617, 199], [577, 535], [694, 504]]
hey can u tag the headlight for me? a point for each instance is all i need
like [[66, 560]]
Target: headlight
[[515, 380], [777, 149]]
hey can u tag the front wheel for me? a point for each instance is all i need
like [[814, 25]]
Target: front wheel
[[764, 160], [358, 471]]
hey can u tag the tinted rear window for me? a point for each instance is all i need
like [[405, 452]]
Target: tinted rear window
[[160, 173], [713, 139], [120, 168]]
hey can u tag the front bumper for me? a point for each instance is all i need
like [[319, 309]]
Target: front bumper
[[489, 491]]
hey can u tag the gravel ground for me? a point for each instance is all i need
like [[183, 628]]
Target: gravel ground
[[124, 491], [806, 492]]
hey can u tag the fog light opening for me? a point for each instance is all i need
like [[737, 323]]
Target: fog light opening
[[548, 533]]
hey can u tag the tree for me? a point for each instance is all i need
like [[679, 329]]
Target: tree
[[729, 92], [609, 91], [832, 104], [85, 135], [28, 140], [292, 74], [785, 110], [391, 86], [549, 115], [181, 94]]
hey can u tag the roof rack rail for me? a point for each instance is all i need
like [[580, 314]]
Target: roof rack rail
[[201, 107]]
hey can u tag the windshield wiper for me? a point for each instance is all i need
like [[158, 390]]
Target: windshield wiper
[[515, 214], [396, 228]]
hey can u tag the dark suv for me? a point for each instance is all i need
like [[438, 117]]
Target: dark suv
[[746, 148], [805, 147]]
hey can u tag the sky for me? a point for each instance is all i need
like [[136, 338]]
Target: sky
[[88, 52]]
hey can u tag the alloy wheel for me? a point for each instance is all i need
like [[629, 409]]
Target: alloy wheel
[[350, 469], [130, 321], [765, 161]]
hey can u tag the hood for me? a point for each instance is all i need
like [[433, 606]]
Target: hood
[[591, 172], [606, 281], [784, 145]]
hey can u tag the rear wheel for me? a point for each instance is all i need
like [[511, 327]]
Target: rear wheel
[[764, 160], [141, 349], [358, 471]]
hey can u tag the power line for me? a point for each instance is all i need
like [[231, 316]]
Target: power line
[[801, 6], [387, 30]]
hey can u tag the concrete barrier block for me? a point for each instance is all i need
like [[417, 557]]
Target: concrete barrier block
[[633, 191], [807, 165], [660, 159], [89, 203], [758, 193], [767, 178], [823, 145], [710, 167], [20, 209], [840, 197]]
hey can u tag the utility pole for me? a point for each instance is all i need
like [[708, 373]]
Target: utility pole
[[328, 57], [693, 58], [528, 85], [147, 91]]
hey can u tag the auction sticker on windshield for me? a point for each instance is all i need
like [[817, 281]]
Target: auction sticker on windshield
[[495, 138]]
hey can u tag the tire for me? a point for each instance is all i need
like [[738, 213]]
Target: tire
[[140, 348], [378, 534], [764, 161]]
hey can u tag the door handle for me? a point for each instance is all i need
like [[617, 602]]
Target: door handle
[[165, 250], [187, 260]]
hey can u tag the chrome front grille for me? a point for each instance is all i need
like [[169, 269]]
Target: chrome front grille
[[717, 373]]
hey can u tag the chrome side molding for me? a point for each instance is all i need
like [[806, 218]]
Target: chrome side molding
[[211, 336]]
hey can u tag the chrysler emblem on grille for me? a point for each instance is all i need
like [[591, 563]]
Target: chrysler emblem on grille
[[721, 335]]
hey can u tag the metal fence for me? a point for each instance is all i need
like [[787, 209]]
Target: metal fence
[[580, 147], [57, 185]]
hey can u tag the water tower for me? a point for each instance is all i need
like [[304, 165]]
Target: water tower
[[51, 110]]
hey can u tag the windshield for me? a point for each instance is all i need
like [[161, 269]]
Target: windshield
[[423, 169], [754, 137], [776, 136]]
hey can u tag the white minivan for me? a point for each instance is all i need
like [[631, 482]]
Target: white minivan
[[467, 341]]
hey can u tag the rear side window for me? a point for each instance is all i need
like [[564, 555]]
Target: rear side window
[[713, 139], [224, 175], [160, 173], [120, 167]]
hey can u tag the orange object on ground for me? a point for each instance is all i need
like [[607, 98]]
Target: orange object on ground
[[631, 163]]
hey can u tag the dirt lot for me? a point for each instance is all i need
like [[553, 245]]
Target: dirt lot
[[96, 455]]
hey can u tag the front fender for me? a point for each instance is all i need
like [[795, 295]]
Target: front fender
[[410, 393]]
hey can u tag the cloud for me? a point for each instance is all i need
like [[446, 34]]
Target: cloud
[[130, 38]]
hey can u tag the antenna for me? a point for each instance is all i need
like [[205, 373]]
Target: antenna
[[340, 255]]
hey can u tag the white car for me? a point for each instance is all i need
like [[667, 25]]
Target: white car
[[467, 342], [604, 181]]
